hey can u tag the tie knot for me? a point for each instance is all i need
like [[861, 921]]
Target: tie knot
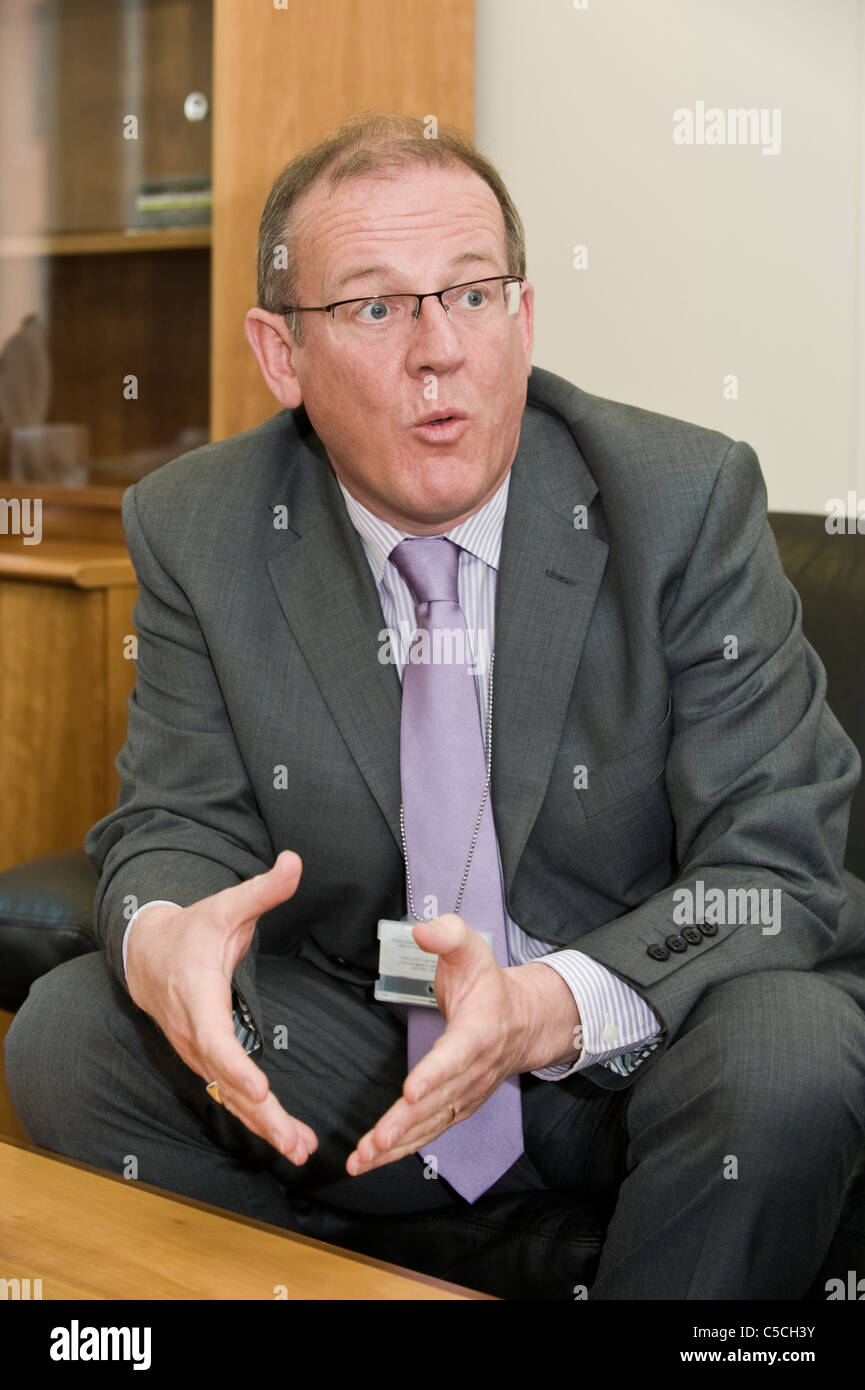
[[430, 566]]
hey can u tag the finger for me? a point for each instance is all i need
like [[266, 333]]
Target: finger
[[245, 1090], [416, 1139], [403, 1115], [437, 1085], [288, 1135], [414, 1135], [406, 1126], [224, 1058], [449, 1108], [447, 1063], [204, 1035]]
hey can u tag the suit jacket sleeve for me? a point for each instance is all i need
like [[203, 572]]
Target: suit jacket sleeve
[[186, 823], [759, 773]]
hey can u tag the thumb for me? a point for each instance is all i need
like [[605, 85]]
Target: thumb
[[246, 902], [447, 936]]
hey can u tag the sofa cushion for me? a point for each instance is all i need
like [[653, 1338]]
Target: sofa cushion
[[46, 909], [828, 571]]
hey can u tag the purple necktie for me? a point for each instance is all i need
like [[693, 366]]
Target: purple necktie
[[443, 772]]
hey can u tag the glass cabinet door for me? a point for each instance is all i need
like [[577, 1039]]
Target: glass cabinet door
[[105, 196]]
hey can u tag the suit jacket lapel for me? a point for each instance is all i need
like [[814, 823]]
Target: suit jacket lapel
[[549, 574], [326, 589]]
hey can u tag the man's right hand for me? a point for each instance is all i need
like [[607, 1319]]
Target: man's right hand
[[179, 968]]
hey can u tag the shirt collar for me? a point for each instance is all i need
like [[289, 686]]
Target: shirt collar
[[480, 534]]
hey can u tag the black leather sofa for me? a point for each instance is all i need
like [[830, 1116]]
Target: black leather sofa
[[547, 1245]]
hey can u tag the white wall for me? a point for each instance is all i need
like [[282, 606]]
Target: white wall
[[703, 260]]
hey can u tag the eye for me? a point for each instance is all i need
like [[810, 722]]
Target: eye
[[475, 297], [380, 310]]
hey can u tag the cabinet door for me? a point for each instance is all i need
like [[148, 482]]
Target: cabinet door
[[116, 75], [64, 685]]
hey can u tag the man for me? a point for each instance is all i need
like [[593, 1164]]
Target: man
[[658, 987]]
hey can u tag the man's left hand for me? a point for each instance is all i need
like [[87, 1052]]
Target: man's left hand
[[500, 1022]]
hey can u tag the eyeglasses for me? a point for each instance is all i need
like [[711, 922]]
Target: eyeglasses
[[477, 302]]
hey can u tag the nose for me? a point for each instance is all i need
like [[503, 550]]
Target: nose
[[434, 343]]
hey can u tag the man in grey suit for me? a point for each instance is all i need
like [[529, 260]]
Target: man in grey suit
[[683, 1003]]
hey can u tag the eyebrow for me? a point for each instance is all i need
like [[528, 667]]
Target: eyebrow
[[363, 272]]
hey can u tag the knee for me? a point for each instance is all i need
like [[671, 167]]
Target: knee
[[792, 1037], [779, 1053], [57, 1041]]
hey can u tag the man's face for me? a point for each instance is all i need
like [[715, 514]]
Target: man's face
[[421, 228]]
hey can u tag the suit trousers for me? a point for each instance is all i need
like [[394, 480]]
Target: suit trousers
[[720, 1171]]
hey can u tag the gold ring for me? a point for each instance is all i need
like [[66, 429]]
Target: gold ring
[[213, 1091], [452, 1109]]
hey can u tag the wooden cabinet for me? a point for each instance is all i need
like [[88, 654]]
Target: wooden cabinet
[[65, 676], [107, 64]]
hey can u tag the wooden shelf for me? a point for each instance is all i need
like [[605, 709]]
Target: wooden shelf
[[98, 243], [78, 564], [77, 514], [89, 498]]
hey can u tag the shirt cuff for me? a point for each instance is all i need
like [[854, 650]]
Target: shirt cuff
[[154, 902], [619, 1029]]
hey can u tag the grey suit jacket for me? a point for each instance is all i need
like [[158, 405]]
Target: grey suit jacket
[[635, 547]]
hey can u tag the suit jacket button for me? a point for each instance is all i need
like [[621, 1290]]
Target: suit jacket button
[[692, 934], [658, 953], [676, 943], [708, 928]]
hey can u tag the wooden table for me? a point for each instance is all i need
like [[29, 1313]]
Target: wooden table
[[93, 1235]]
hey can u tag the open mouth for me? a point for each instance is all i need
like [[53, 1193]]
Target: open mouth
[[444, 428]]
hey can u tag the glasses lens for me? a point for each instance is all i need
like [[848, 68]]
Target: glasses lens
[[512, 294], [375, 318], [478, 301], [483, 301]]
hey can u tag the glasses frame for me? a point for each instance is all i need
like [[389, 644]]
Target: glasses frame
[[398, 294]]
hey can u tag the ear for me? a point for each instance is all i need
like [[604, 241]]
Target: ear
[[526, 321], [270, 340]]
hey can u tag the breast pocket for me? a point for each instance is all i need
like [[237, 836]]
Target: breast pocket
[[614, 783]]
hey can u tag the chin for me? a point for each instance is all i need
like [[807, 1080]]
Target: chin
[[445, 500]]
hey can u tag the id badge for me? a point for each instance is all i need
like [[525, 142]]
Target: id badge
[[406, 974]]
